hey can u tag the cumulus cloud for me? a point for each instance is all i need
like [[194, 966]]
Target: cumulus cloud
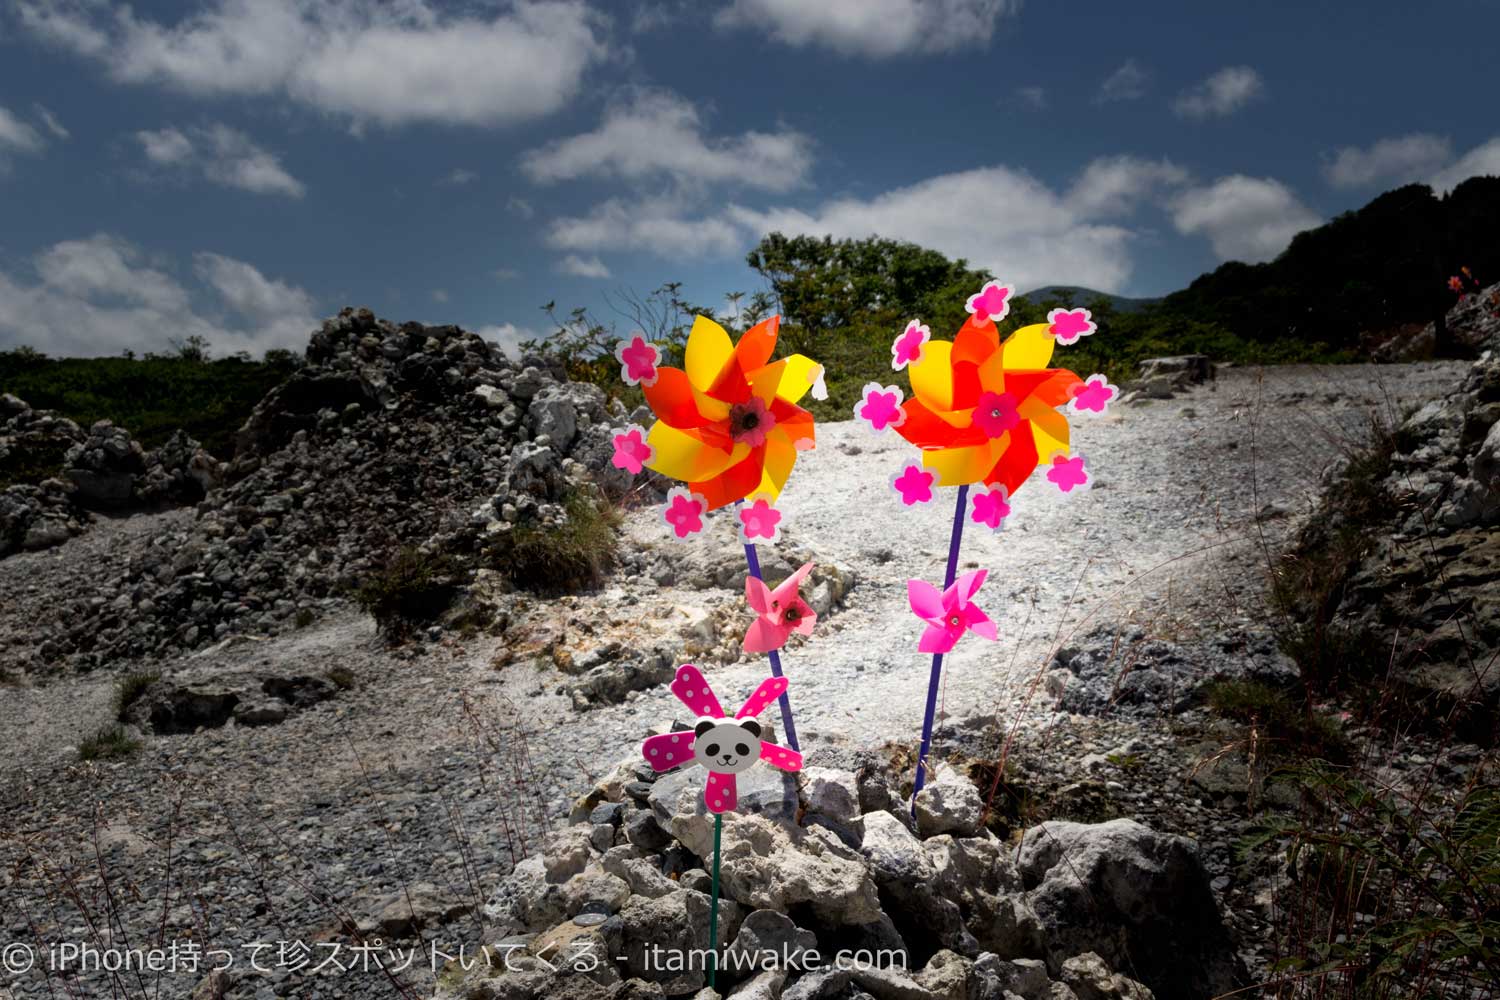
[[520, 207], [508, 335], [1481, 161], [101, 295], [16, 136], [1245, 218], [1127, 83], [1222, 94], [221, 155], [1028, 232], [51, 122], [440, 295], [458, 178], [583, 267], [389, 63], [1031, 98], [659, 134], [1396, 160], [873, 28]]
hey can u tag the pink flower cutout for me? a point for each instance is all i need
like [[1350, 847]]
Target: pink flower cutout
[[1069, 473], [1095, 395], [759, 519], [907, 350], [750, 422], [991, 303], [914, 483], [1456, 284], [684, 511], [991, 508], [995, 413], [881, 406], [1067, 325], [638, 358], [631, 450]]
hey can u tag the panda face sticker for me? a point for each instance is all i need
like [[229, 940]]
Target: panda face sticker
[[725, 745]]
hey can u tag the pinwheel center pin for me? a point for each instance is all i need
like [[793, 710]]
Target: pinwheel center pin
[[749, 422]]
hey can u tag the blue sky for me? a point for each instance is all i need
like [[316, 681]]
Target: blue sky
[[237, 169]]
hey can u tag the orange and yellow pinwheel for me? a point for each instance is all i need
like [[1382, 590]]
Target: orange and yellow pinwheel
[[728, 423], [984, 411]]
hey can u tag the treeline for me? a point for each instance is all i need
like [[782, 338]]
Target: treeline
[[151, 396]]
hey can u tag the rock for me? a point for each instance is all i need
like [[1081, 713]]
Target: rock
[[1139, 899], [655, 926], [831, 793], [642, 830], [949, 803], [261, 712], [1090, 979], [764, 985], [402, 914], [822, 984], [768, 939]]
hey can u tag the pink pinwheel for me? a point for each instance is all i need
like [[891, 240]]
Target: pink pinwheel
[[908, 347], [782, 611], [1067, 325], [991, 303], [951, 613], [725, 747], [638, 358], [631, 450]]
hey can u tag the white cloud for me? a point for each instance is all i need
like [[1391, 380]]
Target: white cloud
[[508, 336], [391, 63], [1224, 93], [1027, 232], [507, 273], [1128, 83], [660, 134], [1396, 160], [1032, 98], [18, 137], [658, 225], [51, 121], [440, 295], [519, 206], [1113, 186], [583, 267], [99, 296], [1481, 161], [875, 28], [224, 156], [458, 178], [1245, 218]]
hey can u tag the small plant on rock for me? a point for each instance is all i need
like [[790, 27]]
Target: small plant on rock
[[109, 743], [570, 555], [412, 587], [130, 688]]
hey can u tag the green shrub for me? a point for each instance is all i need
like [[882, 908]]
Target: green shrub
[[109, 743], [130, 688], [1293, 728], [1391, 894], [571, 556], [410, 588]]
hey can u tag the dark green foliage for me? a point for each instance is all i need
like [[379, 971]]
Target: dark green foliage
[[1291, 726], [411, 588], [151, 396], [342, 678], [1392, 895], [130, 687], [1375, 268], [109, 743], [32, 461], [303, 618], [570, 557], [1310, 578]]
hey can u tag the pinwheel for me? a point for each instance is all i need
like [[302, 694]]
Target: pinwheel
[[951, 613], [983, 412], [782, 611], [728, 426], [725, 748]]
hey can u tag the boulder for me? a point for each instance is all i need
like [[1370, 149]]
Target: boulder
[[1139, 899]]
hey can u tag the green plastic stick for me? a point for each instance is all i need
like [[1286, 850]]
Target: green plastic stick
[[713, 906]]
